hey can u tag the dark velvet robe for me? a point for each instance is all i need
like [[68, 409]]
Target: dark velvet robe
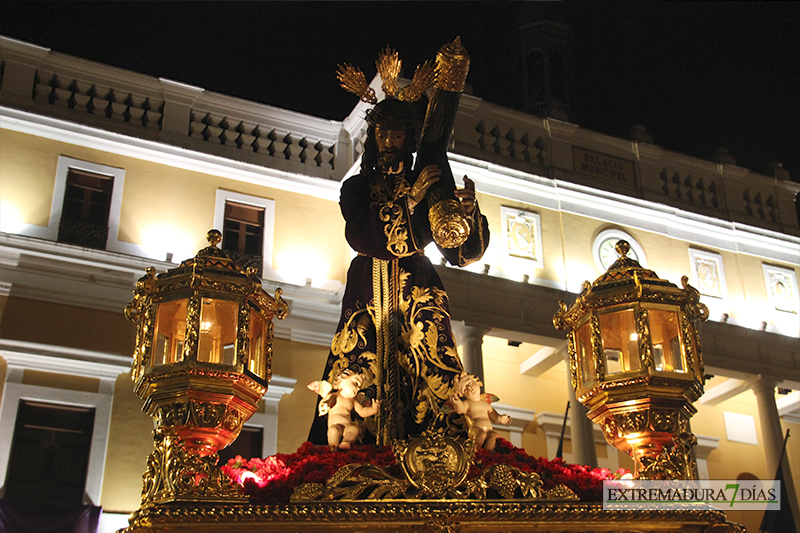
[[381, 228]]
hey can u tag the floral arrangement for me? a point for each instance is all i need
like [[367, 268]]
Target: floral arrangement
[[272, 480]]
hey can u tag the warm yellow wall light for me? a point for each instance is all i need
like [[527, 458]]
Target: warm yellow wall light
[[10, 218], [298, 265], [158, 240]]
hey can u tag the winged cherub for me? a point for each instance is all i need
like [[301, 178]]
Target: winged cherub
[[338, 401], [478, 413]]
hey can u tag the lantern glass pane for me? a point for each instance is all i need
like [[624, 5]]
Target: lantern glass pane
[[217, 342], [583, 347], [664, 330], [620, 341], [258, 344], [170, 332]]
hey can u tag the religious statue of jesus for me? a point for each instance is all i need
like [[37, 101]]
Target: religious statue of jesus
[[395, 322]]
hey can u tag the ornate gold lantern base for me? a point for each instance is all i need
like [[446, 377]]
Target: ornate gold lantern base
[[655, 434]]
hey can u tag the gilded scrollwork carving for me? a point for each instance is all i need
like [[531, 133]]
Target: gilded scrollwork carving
[[597, 349], [353, 482], [643, 329], [192, 326], [234, 419], [573, 361], [434, 463], [610, 429], [631, 422], [243, 333], [559, 319], [435, 467], [674, 463], [695, 308], [200, 414], [664, 421], [173, 473], [421, 516]]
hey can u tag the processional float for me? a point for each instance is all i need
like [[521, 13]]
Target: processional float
[[203, 358]]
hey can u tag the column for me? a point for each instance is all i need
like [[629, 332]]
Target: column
[[772, 433], [770, 420], [470, 339], [582, 432]]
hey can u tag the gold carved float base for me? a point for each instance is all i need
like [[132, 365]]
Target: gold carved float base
[[438, 516]]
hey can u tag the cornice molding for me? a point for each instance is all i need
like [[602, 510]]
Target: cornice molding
[[627, 211], [63, 360], [49, 271], [165, 154]]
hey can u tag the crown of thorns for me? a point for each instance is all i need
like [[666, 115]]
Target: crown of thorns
[[352, 79]]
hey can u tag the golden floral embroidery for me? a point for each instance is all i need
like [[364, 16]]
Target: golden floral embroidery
[[353, 335], [422, 352], [395, 229], [392, 212]]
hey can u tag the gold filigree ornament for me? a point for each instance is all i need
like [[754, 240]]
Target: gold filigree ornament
[[452, 67], [436, 468], [449, 224], [175, 474], [352, 79], [388, 65], [434, 463]]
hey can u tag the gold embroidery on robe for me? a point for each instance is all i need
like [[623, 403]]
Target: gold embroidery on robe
[[421, 353], [353, 334], [392, 213]]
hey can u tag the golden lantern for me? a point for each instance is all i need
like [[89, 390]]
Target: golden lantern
[[636, 364], [202, 363]]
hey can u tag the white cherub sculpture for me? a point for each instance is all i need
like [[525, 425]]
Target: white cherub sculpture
[[478, 413], [338, 401]]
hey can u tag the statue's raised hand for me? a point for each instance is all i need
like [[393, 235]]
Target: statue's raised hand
[[426, 178], [467, 196]]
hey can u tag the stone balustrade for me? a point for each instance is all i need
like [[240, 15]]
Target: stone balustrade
[[635, 168], [52, 84], [41, 81]]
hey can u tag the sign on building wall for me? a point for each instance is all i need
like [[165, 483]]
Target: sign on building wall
[[522, 236], [603, 166], [781, 288], [707, 273]]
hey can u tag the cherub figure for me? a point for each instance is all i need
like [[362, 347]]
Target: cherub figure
[[338, 401], [477, 411]]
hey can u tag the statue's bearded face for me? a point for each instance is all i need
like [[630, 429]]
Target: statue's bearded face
[[391, 146]]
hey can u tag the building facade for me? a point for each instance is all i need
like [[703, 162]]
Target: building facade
[[104, 172]]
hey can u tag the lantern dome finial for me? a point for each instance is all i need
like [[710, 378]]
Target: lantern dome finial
[[622, 247], [214, 237]]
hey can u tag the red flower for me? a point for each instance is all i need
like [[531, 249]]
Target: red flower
[[272, 480]]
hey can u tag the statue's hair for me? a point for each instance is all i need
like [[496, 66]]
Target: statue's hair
[[394, 115]]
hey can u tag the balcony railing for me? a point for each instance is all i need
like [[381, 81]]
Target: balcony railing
[[83, 234]]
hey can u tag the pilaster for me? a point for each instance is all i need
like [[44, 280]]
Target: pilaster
[[470, 338]]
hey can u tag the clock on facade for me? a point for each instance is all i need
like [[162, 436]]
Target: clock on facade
[[604, 248]]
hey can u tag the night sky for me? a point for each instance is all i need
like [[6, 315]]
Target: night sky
[[697, 75]]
